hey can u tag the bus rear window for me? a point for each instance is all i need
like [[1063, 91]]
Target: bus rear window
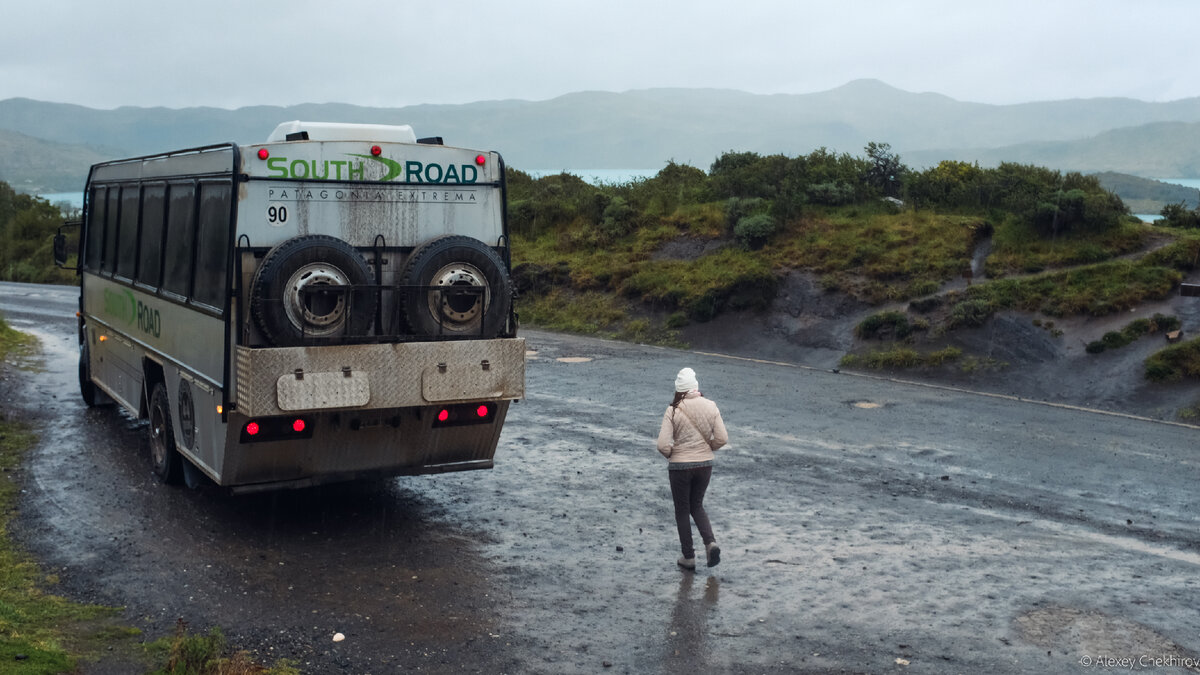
[[212, 244]]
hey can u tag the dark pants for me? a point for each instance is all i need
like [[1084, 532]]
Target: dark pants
[[687, 490]]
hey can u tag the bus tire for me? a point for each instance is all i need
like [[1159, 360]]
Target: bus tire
[[164, 456], [285, 317], [447, 262]]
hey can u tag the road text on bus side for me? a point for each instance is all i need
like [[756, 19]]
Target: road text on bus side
[[348, 169], [128, 309]]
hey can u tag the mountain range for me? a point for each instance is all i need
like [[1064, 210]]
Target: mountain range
[[47, 147]]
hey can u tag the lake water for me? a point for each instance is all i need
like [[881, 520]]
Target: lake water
[[75, 199], [1186, 182]]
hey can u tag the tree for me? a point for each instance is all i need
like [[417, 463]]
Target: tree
[[885, 171]]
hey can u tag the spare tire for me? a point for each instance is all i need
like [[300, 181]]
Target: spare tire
[[455, 286], [285, 297]]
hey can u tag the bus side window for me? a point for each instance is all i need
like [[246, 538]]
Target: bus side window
[[212, 244], [128, 241], [154, 199], [95, 234], [109, 258], [177, 253]]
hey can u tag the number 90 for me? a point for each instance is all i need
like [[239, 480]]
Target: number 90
[[277, 214]]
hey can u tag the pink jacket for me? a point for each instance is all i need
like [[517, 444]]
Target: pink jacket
[[691, 433]]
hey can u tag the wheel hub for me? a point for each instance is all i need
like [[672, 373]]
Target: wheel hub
[[314, 312], [462, 295]]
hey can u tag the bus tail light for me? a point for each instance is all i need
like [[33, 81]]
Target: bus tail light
[[266, 429], [460, 415]]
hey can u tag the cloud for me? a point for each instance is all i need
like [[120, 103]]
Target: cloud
[[231, 54]]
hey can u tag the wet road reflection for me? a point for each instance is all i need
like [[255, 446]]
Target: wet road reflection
[[688, 648]]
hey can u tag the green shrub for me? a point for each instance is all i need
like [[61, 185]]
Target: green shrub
[[1096, 347], [754, 231], [1175, 362], [888, 324], [737, 208], [970, 313], [1115, 340], [925, 305]]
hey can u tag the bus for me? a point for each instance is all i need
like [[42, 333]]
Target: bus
[[332, 304]]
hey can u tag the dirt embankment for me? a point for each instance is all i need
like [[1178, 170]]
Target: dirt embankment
[[1017, 354]]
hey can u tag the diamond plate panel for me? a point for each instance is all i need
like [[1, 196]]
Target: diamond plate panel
[[321, 391], [396, 372]]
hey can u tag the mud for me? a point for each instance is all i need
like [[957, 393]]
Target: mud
[[867, 525]]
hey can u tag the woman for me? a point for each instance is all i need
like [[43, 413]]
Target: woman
[[692, 429]]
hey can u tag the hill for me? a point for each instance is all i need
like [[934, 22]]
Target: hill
[[1159, 149], [1143, 195], [645, 129], [33, 165]]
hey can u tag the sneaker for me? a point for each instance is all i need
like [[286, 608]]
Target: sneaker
[[714, 554], [687, 563]]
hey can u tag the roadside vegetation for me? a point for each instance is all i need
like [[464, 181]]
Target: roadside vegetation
[[645, 259], [45, 634]]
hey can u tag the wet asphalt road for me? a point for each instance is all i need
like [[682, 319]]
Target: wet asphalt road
[[867, 526]]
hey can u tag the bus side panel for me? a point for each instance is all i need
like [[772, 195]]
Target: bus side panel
[[359, 443], [114, 365], [203, 440], [173, 331]]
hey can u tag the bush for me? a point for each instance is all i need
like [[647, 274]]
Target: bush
[[884, 324], [970, 314], [754, 231], [737, 208], [1174, 362]]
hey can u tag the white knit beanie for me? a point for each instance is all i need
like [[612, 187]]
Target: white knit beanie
[[685, 381]]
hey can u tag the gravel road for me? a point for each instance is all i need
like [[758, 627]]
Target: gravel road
[[867, 526]]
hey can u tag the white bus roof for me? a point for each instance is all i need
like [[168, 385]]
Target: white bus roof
[[337, 131]]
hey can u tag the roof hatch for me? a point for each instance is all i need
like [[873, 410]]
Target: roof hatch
[[337, 131]]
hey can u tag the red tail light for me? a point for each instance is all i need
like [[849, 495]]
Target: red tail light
[[266, 429], [468, 413]]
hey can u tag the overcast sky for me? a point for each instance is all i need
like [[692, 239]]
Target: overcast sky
[[390, 53]]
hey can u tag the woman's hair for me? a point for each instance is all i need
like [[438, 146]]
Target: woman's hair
[[679, 396]]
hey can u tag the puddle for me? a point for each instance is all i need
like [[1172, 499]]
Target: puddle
[[866, 405]]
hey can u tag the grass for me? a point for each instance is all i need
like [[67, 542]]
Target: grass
[[1018, 249], [1135, 329], [45, 634], [901, 357], [1095, 290], [879, 256], [1175, 362]]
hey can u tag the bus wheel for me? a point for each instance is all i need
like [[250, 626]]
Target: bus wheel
[[468, 294], [168, 465], [286, 297], [87, 388]]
